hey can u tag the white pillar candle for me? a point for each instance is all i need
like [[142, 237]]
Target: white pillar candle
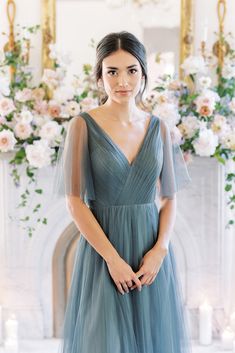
[[205, 324], [232, 321], [0, 325], [227, 338], [11, 332]]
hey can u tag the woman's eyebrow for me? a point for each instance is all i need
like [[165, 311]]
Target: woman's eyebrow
[[116, 68]]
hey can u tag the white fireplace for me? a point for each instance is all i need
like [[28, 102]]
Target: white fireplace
[[35, 272]]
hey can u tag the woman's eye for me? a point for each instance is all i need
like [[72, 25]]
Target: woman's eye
[[112, 72], [133, 71]]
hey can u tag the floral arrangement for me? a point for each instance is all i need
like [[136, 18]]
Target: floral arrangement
[[33, 119], [201, 116]]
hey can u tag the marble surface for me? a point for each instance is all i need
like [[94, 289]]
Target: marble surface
[[52, 345]]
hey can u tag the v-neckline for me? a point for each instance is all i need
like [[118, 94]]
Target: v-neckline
[[116, 146]]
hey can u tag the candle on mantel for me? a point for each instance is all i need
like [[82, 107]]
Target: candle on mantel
[[205, 324], [232, 321], [227, 338], [0, 325], [11, 331]]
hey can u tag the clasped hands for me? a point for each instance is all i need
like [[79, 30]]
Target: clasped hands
[[150, 264]]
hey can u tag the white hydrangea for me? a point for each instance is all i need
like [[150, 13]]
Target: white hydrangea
[[206, 143], [190, 124], [167, 112], [194, 65]]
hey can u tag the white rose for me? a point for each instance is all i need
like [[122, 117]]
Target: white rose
[[6, 106], [228, 139], [206, 143], [39, 154], [24, 95], [50, 77], [23, 130], [7, 141], [88, 103], [205, 82], [50, 130], [72, 108], [219, 124], [24, 117]]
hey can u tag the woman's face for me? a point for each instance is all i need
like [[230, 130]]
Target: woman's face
[[121, 76]]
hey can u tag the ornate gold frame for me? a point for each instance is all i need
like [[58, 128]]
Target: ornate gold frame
[[48, 24], [49, 30]]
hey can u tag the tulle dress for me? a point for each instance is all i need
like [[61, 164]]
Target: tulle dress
[[98, 318]]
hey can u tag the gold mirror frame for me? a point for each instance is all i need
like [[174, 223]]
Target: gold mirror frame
[[49, 30]]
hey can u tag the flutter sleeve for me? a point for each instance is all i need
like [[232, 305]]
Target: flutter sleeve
[[75, 175], [174, 174]]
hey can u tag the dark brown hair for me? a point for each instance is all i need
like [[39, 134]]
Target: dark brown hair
[[125, 41]]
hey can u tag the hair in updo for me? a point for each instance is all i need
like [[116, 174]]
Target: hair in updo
[[125, 41]]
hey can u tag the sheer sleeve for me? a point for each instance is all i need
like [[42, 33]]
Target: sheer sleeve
[[174, 174], [74, 174]]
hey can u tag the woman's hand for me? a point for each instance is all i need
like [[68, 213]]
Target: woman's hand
[[123, 275], [150, 265]]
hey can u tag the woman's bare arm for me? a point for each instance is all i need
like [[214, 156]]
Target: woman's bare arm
[[120, 271], [167, 217]]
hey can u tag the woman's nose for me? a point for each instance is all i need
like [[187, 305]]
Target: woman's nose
[[123, 81]]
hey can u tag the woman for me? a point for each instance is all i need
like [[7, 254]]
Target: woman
[[124, 296]]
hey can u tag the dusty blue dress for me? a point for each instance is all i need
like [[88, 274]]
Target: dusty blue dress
[[98, 318]]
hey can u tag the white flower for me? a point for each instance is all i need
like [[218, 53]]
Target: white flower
[[6, 106], [190, 125], [205, 82], [39, 154], [63, 94], [193, 65], [50, 130], [206, 143], [228, 71], [228, 139], [23, 130], [50, 77], [88, 103], [206, 102], [40, 120], [4, 86], [7, 141], [24, 117], [24, 95], [219, 124], [72, 108], [167, 112]]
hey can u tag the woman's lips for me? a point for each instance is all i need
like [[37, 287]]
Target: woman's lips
[[123, 92]]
